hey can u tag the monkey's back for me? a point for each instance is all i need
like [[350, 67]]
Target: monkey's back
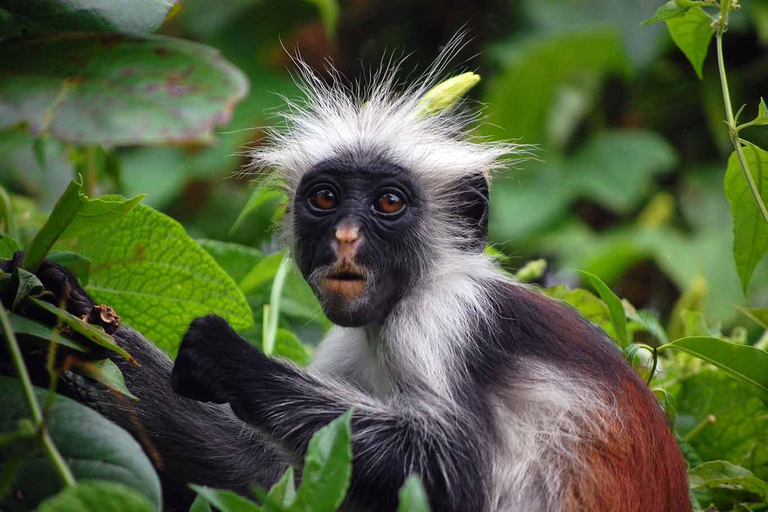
[[576, 427]]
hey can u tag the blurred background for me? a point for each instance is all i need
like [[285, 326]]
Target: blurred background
[[632, 148]]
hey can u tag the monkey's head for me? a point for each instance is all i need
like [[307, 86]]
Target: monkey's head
[[380, 196]]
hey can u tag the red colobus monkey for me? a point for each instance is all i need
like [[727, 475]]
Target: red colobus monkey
[[499, 397]]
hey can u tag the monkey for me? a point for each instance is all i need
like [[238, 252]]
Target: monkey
[[498, 397]]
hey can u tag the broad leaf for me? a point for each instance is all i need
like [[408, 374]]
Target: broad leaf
[[413, 497], [128, 16], [200, 505], [225, 501], [117, 90], [97, 214], [692, 34], [719, 474], [671, 9], [615, 307], [93, 447], [157, 278], [108, 373], [762, 114], [263, 200], [750, 229], [743, 362], [264, 272], [327, 468], [97, 496]]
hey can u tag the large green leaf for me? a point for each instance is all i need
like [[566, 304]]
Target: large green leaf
[[237, 260], [129, 16], [327, 468], [157, 278], [750, 230], [671, 9], [742, 362], [92, 446], [734, 418], [719, 474], [117, 90], [692, 33]]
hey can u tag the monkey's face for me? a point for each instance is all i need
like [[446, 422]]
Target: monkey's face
[[357, 243]]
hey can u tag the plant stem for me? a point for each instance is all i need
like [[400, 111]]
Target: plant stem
[[655, 362], [37, 416], [733, 130], [274, 306]]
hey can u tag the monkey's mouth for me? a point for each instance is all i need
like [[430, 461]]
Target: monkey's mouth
[[347, 281]]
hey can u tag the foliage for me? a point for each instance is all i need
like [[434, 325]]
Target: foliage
[[628, 185]]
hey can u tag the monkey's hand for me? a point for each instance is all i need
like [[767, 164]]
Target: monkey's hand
[[61, 284], [210, 355]]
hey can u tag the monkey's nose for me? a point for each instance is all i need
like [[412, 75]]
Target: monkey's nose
[[347, 239], [347, 233]]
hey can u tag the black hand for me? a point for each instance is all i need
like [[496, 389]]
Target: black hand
[[209, 356]]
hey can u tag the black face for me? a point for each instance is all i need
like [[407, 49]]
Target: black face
[[356, 242]]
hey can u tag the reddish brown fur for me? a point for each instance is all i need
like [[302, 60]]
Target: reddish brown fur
[[640, 467]]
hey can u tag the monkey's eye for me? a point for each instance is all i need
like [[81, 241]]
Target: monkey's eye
[[324, 199], [389, 203]]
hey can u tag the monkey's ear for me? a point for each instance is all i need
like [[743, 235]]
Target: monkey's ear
[[474, 196]]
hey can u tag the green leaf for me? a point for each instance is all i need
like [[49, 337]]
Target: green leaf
[[28, 284], [413, 497], [237, 260], [225, 501], [157, 278], [200, 505], [327, 468], [79, 265], [263, 199], [70, 202], [97, 496], [38, 331], [734, 416], [762, 113], [288, 346], [750, 230], [618, 317], [97, 214], [758, 315], [264, 272], [108, 373], [742, 362], [590, 307], [94, 333], [117, 90], [692, 34], [671, 9], [127, 16], [284, 492], [720, 474], [8, 246], [93, 447]]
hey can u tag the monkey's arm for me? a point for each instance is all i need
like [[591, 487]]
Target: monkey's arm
[[389, 440], [188, 441]]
